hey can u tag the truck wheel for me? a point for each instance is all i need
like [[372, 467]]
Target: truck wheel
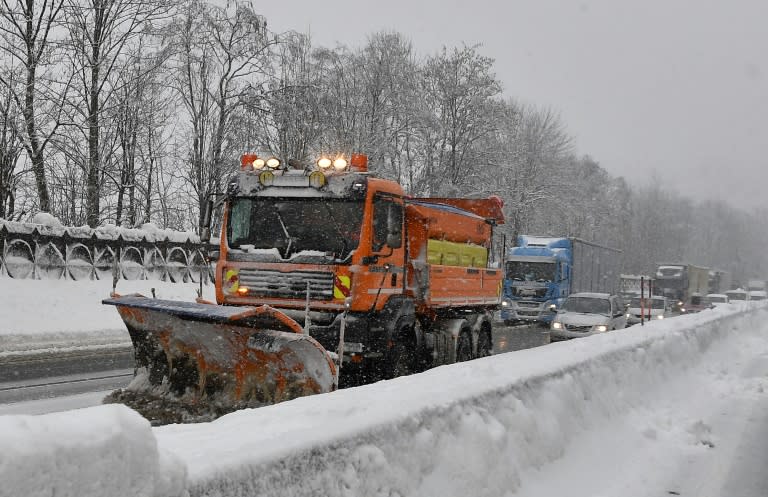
[[401, 360], [484, 346], [463, 347]]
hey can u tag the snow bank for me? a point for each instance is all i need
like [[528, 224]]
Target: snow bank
[[467, 429], [106, 450]]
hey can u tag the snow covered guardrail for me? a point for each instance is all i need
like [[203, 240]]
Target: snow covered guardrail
[[105, 450], [45, 249], [466, 429]]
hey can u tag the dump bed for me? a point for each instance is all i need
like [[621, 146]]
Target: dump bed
[[448, 255]]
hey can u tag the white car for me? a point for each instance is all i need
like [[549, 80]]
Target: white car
[[758, 295], [585, 314], [656, 307], [737, 295], [717, 298]]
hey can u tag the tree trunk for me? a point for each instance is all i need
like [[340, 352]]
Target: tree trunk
[[35, 149]]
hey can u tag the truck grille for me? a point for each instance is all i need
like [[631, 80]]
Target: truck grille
[[529, 305], [582, 329], [268, 283]]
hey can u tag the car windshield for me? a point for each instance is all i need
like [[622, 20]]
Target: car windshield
[[654, 303], [717, 300], [737, 296], [531, 271], [588, 305], [294, 225]]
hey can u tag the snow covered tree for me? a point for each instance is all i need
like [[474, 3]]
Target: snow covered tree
[[27, 30], [220, 56]]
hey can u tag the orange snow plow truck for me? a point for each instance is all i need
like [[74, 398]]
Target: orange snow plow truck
[[322, 268]]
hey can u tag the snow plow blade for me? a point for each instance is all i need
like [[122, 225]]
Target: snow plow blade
[[195, 362]]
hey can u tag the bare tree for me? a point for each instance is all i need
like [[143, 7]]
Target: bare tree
[[11, 148], [221, 55], [460, 87], [283, 117], [100, 31], [26, 27]]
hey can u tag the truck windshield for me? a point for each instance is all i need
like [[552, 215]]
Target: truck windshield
[[670, 272], [295, 226], [588, 305], [530, 271]]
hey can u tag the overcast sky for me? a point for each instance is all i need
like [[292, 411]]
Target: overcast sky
[[675, 87]]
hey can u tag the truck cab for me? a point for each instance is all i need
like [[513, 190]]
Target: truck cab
[[337, 248], [537, 279]]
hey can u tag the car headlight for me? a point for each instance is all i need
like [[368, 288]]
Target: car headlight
[[660, 316], [601, 328], [627, 315], [557, 326], [505, 303]]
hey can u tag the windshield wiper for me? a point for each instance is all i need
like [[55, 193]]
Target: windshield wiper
[[338, 231], [287, 235]]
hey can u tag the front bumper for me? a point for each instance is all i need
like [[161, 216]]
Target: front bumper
[[562, 334], [528, 311]]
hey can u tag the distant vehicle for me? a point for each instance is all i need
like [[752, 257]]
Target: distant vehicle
[[540, 273], [679, 281], [655, 308], [717, 298], [758, 295], [696, 303], [585, 314], [719, 281], [631, 285], [737, 295], [756, 285]]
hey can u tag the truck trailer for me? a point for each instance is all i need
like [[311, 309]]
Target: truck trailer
[[540, 273], [719, 281]]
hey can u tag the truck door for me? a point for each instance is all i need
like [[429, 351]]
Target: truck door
[[384, 272]]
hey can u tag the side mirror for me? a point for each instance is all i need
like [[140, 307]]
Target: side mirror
[[394, 240]]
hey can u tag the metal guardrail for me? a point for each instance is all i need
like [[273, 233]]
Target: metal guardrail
[[36, 251]]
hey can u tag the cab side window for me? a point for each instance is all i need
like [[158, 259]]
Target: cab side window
[[387, 221]]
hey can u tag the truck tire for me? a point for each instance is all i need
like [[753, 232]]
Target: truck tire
[[401, 360], [402, 355], [463, 347], [484, 344]]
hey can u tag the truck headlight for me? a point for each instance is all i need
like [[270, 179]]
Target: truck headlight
[[557, 325], [505, 303], [601, 328]]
